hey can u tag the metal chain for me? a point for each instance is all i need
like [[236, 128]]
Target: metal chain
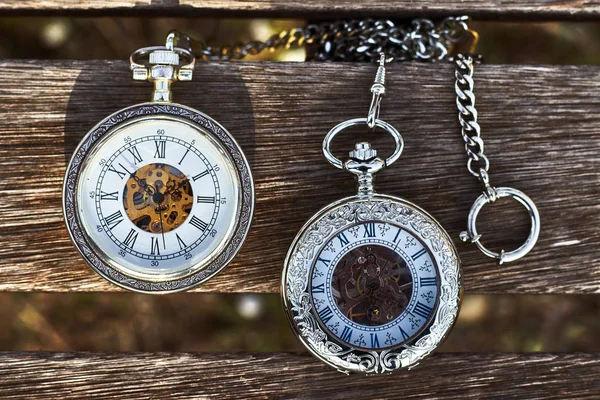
[[354, 40], [478, 164]]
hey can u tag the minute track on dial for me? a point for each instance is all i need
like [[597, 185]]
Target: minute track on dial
[[370, 285], [158, 198]]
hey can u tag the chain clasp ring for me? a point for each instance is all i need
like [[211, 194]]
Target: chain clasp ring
[[534, 215]]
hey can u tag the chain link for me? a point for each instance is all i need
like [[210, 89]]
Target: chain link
[[354, 40]]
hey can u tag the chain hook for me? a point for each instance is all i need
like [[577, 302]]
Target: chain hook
[[378, 90], [488, 190]]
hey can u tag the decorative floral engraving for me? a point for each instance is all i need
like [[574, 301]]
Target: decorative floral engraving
[[389, 340], [246, 206], [411, 242], [428, 297], [360, 341], [426, 267], [334, 328], [383, 228], [414, 322], [320, 230], [330, 247]]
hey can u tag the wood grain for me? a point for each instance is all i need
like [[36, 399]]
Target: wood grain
[[541, 127], [313, 9], [247, 376]]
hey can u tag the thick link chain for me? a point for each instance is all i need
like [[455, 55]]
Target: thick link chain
[[354, 40], [477, 164]]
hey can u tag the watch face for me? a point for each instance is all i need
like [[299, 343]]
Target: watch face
[[374, 285], [363, 284], [158, 198]]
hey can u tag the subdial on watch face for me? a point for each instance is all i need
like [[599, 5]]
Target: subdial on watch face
[[374, 285]]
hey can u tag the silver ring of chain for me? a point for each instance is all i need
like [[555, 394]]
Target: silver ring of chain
[[534, 218]]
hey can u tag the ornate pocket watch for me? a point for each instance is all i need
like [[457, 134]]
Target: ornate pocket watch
[[371, 283], [158, 197]]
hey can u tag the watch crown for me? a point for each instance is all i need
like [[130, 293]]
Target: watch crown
[[363, 151], [165, 57]]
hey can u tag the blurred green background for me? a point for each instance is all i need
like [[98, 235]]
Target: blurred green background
[[209, 322]]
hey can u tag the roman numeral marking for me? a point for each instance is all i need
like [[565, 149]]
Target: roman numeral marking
[[120, 173], [427, 282], [200, 175], [113, 219], [397, 235], [418, 254], [137, 158], [404, 334], [161, 146], [319, 288], [186, 151], [343, 239], [324, 261], [154, 248], [109, 196], [131, 238], [181, 243], [422, 310], [198, 223], [204, 199], [325, 314], [346, 334], [374, 341], [369, 230]]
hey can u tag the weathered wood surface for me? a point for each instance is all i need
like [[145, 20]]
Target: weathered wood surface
[[233, 376], [541, 127], [532, 9]]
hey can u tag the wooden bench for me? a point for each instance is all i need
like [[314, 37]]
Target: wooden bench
[[542, 131]]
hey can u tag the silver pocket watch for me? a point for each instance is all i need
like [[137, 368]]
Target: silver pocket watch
[[158, 197], [372, 282]]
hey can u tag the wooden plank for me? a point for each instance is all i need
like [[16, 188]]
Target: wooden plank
[[541, 127], [488, 9], [235, 376]]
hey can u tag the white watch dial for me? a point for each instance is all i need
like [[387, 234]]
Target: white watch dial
[[159, 198]]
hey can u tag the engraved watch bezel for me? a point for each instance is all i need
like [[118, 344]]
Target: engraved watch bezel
[[297, 299], [95, 259]]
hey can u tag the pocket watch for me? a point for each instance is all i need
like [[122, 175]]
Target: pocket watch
[[158, 197], [372, 282]]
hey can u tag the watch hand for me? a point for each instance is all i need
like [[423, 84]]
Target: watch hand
[[143, 184], [158, 198], [162, 228]]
